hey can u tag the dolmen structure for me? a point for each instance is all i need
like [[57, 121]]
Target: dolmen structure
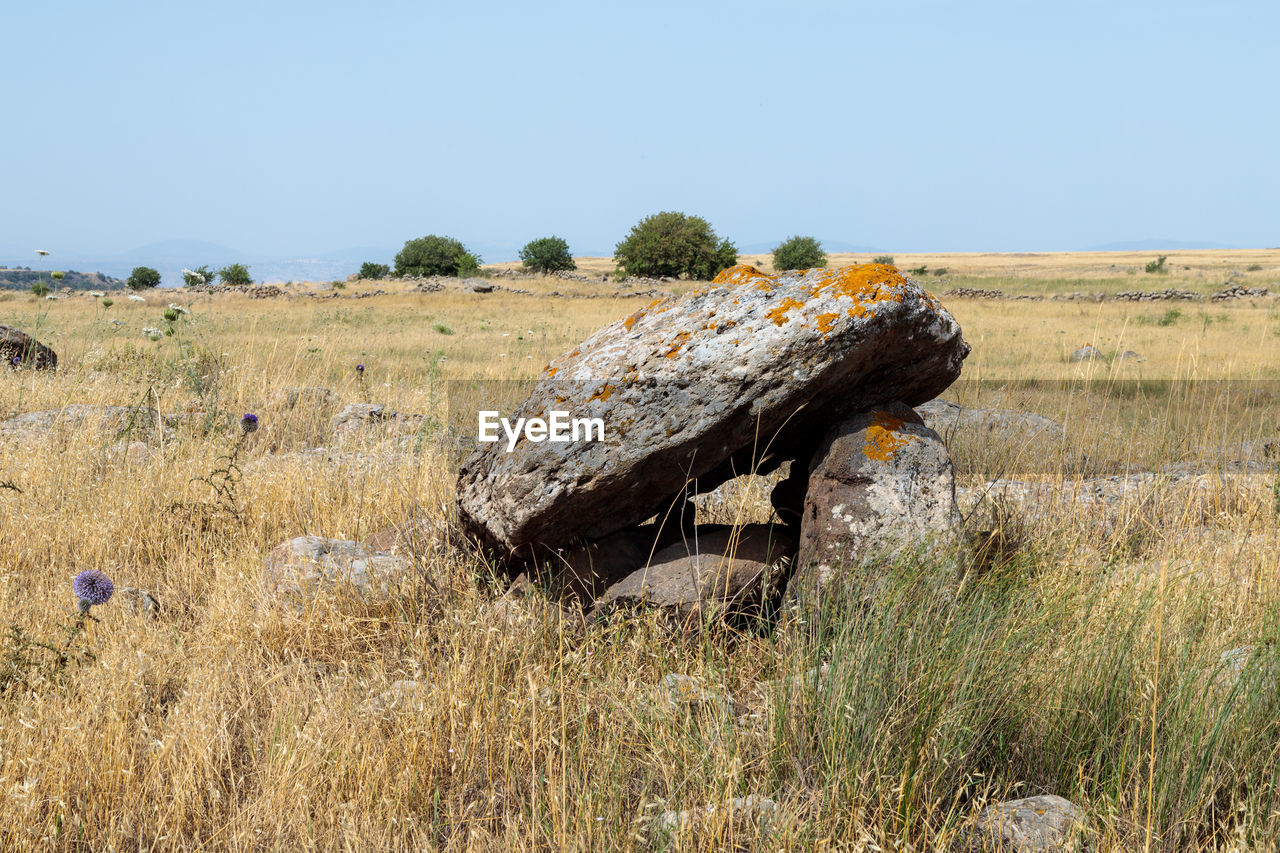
[[816, 368]]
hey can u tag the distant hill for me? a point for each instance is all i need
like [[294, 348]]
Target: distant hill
[[21, 278], [1158, 245]]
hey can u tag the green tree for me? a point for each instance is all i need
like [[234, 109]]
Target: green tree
[[235, 274], [673, 244], [371, 270], [799, 253], [547, 254], [198, 276], [434, 255], [143, 278]]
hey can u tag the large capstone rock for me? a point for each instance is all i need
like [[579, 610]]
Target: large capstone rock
[[716, 571], [737, 376], [879, 483], [18, 349]]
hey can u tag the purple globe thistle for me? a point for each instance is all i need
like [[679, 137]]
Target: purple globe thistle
[[248, 423], [359, 368], [17, 360], [92, 587]]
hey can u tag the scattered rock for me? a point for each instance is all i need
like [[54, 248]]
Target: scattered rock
[[1129, 355], [415, 536], [302, 567], [122, 421], [945, 417], [359, 420], [1043, 824], [18, 349], [683, 694], [477, 285], [1088, 352], [138, 602], [880, 482], [718, 570], [693, 389], [311, 399]]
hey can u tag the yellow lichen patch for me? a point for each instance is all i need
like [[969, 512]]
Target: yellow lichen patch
[[882, 441], [779, 314], [737, 274], [676, 343], [549, 370], [604, 393], [826, 322]]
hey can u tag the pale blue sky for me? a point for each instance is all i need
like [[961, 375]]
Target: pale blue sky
[[306, 127]]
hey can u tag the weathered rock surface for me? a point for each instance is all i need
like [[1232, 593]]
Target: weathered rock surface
[[1042, 824], [312, 398], [945, 417], [1088, 352], [364, 420], [696, 388], [305, 566], [135, 422], [17, 344], [717, 570], [879, 482]]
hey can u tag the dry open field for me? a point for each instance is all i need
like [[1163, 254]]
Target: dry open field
[[1120, 653]]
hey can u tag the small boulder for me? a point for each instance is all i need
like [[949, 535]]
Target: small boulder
[[720, 569], [945, 417], [477, 285], [1088, 352], [1043, 824], [18, 349], [880, 482], [139, 602], [302, 567]]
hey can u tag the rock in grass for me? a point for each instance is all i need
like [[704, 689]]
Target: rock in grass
[[1043, 824], [1088, 352], [880, 482], [28, 352], [119, 422], [744, 373], [945, 417], [307, 566]]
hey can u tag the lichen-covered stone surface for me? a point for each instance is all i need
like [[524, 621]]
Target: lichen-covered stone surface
[[697, 388], [879, 482], [17, 344], [1043, 824]]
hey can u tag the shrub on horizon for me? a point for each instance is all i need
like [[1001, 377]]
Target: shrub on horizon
[[371, 270], [547, 255], [235, 275], [673, 244], [143, 278], [799, 253], [435, 255]]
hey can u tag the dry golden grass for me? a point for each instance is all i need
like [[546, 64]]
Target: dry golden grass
[[233, 724]]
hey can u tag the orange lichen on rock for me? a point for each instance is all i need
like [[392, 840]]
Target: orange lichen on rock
[[883, 443], [826, 322], [676, 343], [604, 393], [779, 314], [550, 371]]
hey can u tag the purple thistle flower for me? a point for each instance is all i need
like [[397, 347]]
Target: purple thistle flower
[[17, 360], [359, 368], [92, 587], [248, 423]]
